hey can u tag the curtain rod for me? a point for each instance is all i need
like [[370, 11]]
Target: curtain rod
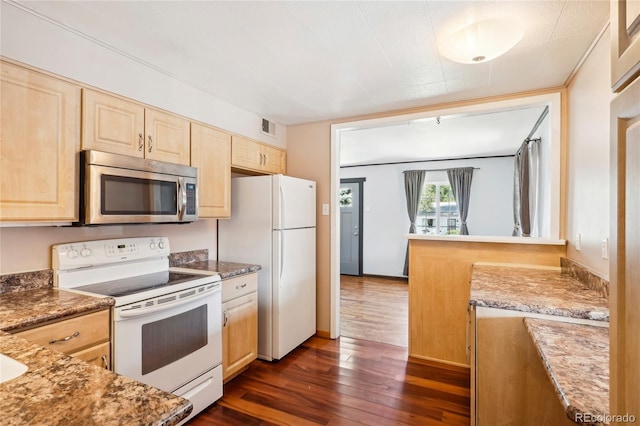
[[427, 161], [442, 170], [538, 123]]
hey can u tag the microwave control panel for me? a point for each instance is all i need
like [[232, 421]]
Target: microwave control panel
[[191, 198]]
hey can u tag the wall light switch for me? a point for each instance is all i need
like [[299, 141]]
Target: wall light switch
[[325, 209], [605, 248], [578, 242]]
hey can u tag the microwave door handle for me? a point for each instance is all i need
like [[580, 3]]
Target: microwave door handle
[[182, 198]]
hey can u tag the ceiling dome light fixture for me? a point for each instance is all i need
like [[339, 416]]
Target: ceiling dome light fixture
[[480, 41]]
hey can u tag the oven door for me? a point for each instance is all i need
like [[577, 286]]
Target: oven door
[[169, 343], [115, 195]]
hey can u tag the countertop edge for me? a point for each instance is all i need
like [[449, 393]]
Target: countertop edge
[[532, 309], [487, 239]]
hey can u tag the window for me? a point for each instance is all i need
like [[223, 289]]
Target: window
[[346, 197], [438, 212]]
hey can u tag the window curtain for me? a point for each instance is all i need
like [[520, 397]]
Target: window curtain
[[525, 187], [460, 181], [413, 180]]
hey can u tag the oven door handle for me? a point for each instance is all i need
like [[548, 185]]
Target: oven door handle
[[130, 313]]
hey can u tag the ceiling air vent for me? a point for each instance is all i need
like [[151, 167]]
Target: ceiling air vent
[[268, 127]]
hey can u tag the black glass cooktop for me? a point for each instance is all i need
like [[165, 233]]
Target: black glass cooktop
[[138, 284]]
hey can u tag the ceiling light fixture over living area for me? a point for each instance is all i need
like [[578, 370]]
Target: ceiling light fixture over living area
[[480, 41]]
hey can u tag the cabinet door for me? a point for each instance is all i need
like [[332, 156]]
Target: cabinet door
[[211, 154], [239, 334], [71, 335], [167, 137], [99, 355], [39, 140], [625, 42], [624, 269], [112, 124], [273, 160], [246, 153]]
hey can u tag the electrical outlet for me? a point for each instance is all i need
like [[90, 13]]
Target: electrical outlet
[[578, 242], [605, 248], [325, 209]]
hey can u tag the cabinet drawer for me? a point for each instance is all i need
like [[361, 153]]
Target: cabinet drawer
[[82, 332], [239, 286], [99, 355]]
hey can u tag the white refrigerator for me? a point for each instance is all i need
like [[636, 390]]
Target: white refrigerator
[[273, 224]]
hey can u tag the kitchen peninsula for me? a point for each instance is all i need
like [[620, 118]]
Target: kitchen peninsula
[[539, 344], [439, 286]]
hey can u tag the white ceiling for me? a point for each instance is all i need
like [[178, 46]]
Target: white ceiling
[[458, 136], [301, 61]]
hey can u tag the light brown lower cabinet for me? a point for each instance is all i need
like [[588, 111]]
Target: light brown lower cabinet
[[509, 384], [85, 337], [239, 324]]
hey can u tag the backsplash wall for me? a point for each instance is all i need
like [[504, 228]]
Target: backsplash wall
[[25, 249]]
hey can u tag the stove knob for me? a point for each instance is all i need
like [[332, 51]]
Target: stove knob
[[161, 245], [72, 254], [85, 252], [152, 245]]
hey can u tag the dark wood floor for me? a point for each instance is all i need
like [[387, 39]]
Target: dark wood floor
[[343, 382], [375, 308]]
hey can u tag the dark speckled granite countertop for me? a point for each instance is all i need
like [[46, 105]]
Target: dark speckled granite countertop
[[576, 358], [536, 290], [60, 390], [29, 308], [224, 269]]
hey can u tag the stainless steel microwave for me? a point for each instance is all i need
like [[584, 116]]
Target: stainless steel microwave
[[118, 189]]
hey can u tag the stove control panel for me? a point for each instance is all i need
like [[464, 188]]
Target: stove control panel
[[91, 253]]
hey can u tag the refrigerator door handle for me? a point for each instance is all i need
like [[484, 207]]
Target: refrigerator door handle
[[282, 209], [281, 255]]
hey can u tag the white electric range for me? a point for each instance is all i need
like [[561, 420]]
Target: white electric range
[[166, 329]]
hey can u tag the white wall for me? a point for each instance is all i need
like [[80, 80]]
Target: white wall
[[31, 40], [25, 249], [385, 220], [588, 159]]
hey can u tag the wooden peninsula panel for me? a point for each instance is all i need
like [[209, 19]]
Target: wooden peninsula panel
[[439, 290]]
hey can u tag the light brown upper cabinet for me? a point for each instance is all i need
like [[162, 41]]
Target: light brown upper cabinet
[[211, 154], [120, 126], [39, 139], [257, 158], [625, 42]]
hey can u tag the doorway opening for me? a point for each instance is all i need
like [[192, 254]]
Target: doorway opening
[[482, 112], [351, 226]]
